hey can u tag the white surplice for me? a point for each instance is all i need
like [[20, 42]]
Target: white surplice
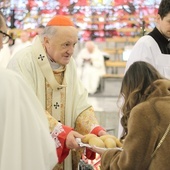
[[146, 49], [25, 141]]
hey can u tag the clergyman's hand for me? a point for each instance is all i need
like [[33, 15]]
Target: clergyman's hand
[[71, 140]]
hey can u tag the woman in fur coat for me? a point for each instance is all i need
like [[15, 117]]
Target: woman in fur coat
[[145, 120]]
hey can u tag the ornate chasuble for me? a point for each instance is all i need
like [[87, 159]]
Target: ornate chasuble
[[59, 105], [59, 75]]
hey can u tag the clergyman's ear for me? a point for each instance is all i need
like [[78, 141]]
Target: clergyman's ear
[[157, 18]]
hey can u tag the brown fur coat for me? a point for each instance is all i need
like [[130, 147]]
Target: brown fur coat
[[147, 124]]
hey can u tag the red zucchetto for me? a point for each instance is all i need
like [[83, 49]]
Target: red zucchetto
[[60, 20]]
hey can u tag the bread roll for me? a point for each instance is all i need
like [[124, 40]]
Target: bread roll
[[118, 143], [107, 136], [96, 141], [110, 143], [86, 138]]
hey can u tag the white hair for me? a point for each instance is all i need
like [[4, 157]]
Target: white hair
[[48, 31]]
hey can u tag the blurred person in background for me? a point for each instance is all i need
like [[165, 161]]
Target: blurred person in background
[[91, 66], [21, 42], [39, 29]]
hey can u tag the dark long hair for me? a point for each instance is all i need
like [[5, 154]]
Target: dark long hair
[[136, 80]]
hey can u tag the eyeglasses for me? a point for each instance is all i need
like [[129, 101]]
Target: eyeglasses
[[6, 37]]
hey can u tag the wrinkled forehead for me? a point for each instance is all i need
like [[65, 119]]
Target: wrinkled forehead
[[67, 30], [68, 33]]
